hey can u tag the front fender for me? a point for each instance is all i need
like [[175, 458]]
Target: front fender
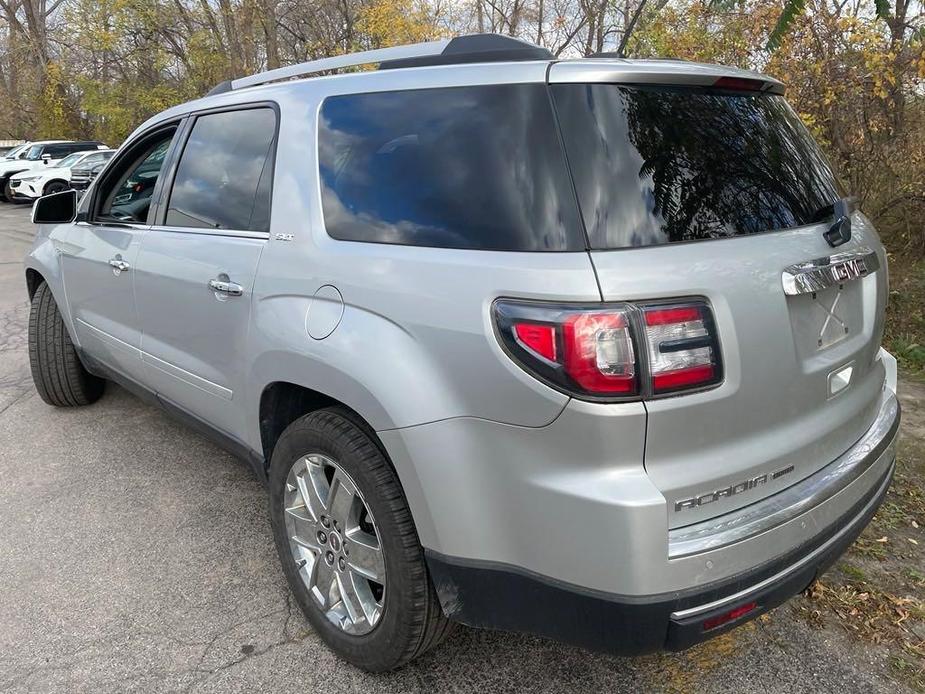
[[44, 259]]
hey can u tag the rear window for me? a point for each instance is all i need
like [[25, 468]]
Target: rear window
[[660, 165], [464, 167], [224, 174]]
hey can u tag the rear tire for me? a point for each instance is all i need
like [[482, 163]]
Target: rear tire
[[59, 377], [408, 620], [6, 192]]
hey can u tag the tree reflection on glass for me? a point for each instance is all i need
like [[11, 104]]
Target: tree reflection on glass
[[667, 165]]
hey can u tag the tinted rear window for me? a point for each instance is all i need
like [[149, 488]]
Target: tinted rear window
[[467, 167], [658, 165]]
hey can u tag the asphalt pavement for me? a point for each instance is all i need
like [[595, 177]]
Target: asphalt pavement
[[137, 556]]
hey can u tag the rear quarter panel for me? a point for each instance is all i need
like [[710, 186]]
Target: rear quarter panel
[[415, 343]]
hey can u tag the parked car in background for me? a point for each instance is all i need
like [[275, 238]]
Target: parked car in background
[[29, 185], [83, 176], [582, 348], [39, 155], [9, 146], [16, 152]]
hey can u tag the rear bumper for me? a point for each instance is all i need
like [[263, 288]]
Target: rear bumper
[[501, 597], [659, 585]]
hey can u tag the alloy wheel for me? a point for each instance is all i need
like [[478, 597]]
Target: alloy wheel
[[335, 543]]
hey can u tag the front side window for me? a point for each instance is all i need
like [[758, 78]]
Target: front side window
[[655, 165], [223, 178], [34, 153], [128, 197], [464, 167]]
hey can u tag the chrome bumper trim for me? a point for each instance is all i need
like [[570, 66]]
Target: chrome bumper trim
[[786, 505], [808, 559]]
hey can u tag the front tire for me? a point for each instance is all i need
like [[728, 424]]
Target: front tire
[[55, 187], [59, 377], [348, 545]]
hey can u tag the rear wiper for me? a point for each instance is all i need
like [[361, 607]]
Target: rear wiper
[[840, 211]]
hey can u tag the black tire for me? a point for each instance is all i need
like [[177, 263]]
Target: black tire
[[412, 621], [59, 377], [54, 187], [6, 192]]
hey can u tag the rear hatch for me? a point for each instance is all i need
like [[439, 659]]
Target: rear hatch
[[698, 182]]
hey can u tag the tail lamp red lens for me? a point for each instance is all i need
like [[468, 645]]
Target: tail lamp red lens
[[592, 350], [540, 339], [599, 353]]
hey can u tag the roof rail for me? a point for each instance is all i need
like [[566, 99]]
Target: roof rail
[[475, 48]]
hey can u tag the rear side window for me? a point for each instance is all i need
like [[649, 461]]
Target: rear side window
[[660, 165], [464, 167], [59, 151], [223, 177]]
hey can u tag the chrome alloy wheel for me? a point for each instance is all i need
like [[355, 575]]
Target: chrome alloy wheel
[[335, 544]]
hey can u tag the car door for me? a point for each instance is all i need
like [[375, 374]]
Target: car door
[[98, 261], [197, 265]]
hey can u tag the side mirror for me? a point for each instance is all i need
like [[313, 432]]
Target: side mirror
[[46, 158], [57, 208]]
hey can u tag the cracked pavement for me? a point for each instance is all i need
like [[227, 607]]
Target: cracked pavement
[[136, 556]]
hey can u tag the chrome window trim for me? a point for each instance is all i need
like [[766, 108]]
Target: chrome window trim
[[809, 558], [114, 224], [797, 499], [821, 273], [235, 233]]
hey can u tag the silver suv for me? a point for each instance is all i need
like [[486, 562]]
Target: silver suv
[[581, 348]]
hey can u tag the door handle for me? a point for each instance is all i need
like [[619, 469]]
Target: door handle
[[226, 287], [118, 265]]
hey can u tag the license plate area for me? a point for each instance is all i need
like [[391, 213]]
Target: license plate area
[[825, 318]]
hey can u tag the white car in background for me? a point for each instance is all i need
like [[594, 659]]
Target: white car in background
[[16, 152], [40, 155], [33, 184]]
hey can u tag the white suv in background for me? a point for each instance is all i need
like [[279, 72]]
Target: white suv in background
[[38, 156], [33, 184]]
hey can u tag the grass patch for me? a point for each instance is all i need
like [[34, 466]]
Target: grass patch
[[908, 672], [914, 576], [874, 615], [852, 573], [871, 548]]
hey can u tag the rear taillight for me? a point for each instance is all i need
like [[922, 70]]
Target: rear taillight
[[613, 351], [683, 352]]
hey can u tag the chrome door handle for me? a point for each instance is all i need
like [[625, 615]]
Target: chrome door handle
[[118, 264], [226, 287]]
